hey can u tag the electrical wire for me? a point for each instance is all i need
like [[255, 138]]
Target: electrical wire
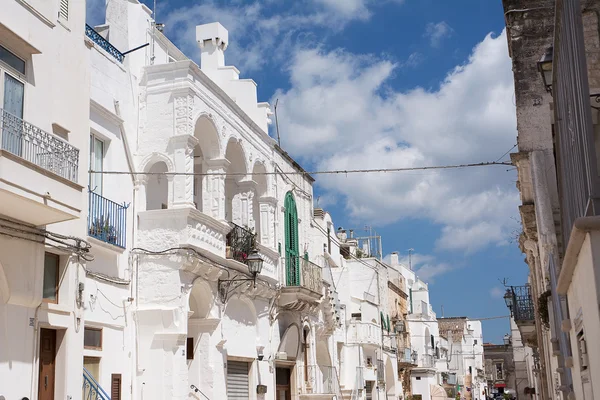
[[317, 172]]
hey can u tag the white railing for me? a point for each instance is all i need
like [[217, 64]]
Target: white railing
[[364, 333]]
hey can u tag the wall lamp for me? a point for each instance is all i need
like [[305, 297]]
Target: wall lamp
[[255, 264], [509, 299]]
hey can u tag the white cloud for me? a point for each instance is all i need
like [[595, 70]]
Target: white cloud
[[437, 32], [496, 292], [425, 266], [340, 113]]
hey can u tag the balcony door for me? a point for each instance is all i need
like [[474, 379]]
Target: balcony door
[[12, 125], [291, 241]]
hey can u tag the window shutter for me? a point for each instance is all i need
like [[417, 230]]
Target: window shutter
[[291, 241], [63, 11], [115, 387]]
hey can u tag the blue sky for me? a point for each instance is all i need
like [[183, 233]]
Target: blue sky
[[391, 83]]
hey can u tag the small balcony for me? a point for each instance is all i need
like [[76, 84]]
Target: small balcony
[[520, 302], [321, 380], [366, 333], [426, 361], [103, 43], [240, 242], [107, 220], [389, 343], [38, 174], [406, 358], [304, 284]]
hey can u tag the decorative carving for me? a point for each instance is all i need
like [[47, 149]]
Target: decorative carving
[[184, 109]]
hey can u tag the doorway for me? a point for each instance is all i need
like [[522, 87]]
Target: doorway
[[283, 383], [47, 364]]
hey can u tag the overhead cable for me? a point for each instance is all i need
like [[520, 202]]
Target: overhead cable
[[317, 172]]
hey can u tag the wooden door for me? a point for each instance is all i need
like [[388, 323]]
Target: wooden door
[[47, 364], [283, 384]]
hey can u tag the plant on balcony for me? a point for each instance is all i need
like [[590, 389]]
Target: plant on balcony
[[240, 242], [445, 377], [103, 230], [543, 308]]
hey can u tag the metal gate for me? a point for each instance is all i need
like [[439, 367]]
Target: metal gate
[[238, 387]]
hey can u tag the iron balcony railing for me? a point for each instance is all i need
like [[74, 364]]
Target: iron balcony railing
[[303, 273], [107, 220], [426, 361], [91, 388], [579, 183], [240, 242], [39, 147], [389, 343], [103, 43], [522, 304], [405, 355]]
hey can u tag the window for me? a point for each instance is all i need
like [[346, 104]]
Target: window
[[92, 366], [96, 163], [50, 290], [291, 241], [583, 353], [63, 10], [189, 350], [499, 371], [11, 60], [92, 338], [329, 239]]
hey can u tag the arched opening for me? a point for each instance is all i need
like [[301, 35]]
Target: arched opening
[[291, 241], [240, 317], [305, 355], [157, 188], [261, 216], [207, 149], [390, 380], [237, 203]]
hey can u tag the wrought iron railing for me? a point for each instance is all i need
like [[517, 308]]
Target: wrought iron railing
[[91, 388], [405, 355], [427, 361], [240, 242], [522, 301], [107, 220], [390, 343], [103, 43], [579, 184], [39, 147], [301, 272]]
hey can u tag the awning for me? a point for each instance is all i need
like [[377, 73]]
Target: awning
[[500, 385]]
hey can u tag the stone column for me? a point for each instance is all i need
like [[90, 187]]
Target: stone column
[[182, 149], [213, 188]]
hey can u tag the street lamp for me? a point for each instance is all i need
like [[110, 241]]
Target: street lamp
[[545, 68], [508, 299], [255, 264]]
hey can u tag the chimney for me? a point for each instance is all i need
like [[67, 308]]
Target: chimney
[[394, 259], [212, 39]]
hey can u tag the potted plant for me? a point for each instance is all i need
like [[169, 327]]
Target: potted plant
[[103, 230]]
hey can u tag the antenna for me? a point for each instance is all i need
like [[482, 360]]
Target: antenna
[[276, 122], [410, 251]]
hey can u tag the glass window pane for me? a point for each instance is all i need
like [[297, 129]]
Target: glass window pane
[[92, 338], [50, 277], [13, 96], [96, 163], [10, 59]]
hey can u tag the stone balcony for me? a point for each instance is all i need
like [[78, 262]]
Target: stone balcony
[[38, 174], [366, 333]]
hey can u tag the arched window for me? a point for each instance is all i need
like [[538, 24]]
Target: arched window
[[292, 261]]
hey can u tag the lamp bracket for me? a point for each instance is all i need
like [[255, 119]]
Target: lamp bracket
[[224, 286]]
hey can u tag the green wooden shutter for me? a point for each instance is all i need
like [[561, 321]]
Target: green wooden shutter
[[291, 241]]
